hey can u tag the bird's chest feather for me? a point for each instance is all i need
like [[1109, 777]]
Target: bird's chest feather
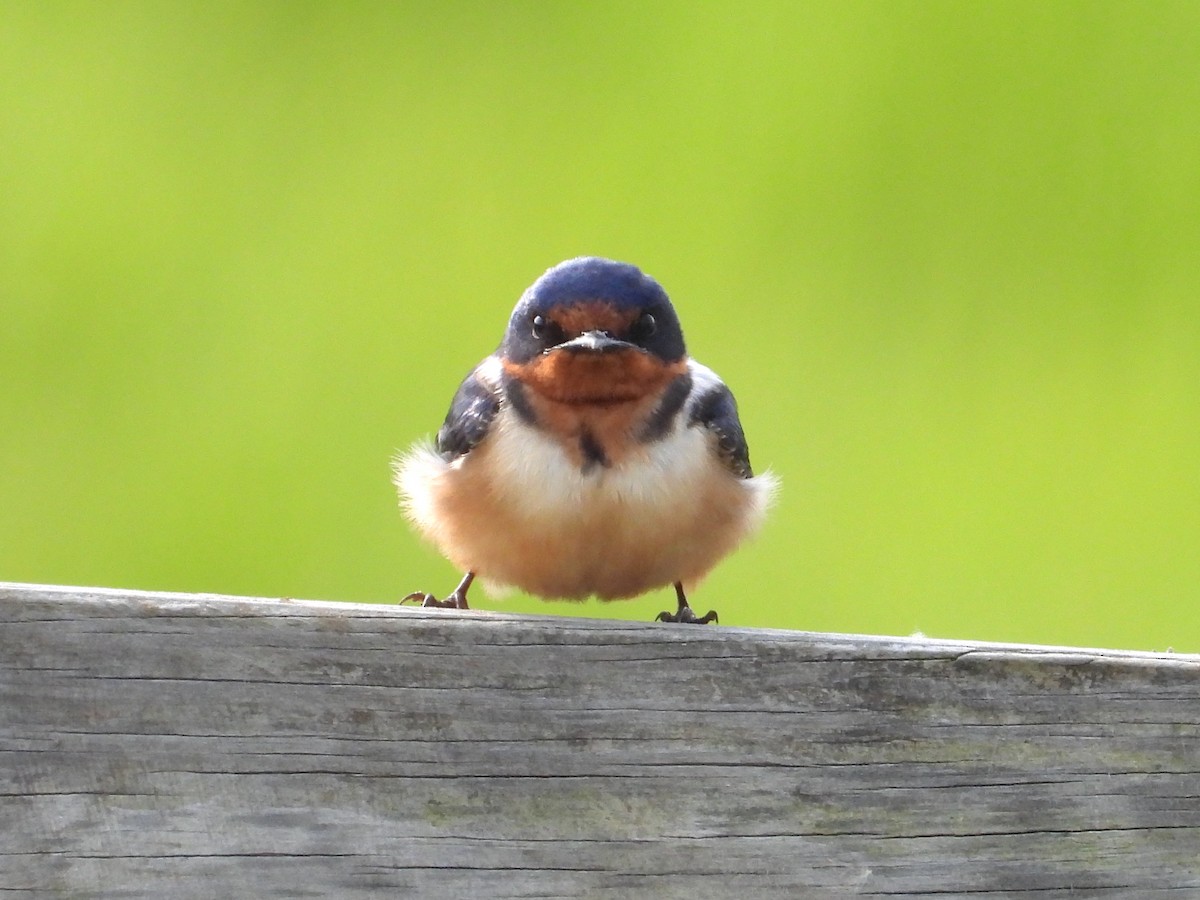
[[593, 468], [590, 439]]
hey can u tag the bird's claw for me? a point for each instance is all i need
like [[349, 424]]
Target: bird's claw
[[685, 616], [428, 601], [456, 599]]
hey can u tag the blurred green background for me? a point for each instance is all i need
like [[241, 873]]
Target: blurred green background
[[947, 255]]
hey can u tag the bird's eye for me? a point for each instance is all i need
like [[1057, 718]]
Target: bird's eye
[[547, 330], [644, 327]]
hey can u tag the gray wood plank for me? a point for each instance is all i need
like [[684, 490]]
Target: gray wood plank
[[191, 746]]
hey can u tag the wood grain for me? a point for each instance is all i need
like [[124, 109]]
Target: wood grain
[[169, 745]]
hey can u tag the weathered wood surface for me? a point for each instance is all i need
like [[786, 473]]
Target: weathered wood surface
[[187, 746]]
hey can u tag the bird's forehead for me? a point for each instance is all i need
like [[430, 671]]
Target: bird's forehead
[[591, 315]]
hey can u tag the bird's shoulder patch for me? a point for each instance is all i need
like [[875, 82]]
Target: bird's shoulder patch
[[472, 410], [714, 408]]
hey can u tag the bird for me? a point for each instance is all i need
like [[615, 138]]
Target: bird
[[588, 455]]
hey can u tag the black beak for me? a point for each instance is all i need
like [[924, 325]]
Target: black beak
[[594, 342]]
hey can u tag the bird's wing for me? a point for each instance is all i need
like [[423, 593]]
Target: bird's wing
[[472, 410], [713, 407]]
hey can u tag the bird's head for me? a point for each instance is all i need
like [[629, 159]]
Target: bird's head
[[592, 330]]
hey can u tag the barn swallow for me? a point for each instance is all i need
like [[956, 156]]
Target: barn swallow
[[588, 455]]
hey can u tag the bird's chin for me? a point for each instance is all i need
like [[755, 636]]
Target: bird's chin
[[614, 375]]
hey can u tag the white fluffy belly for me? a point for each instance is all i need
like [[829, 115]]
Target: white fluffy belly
[[516, 511]]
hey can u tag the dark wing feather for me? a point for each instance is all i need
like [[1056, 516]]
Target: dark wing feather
[[716, 410], [472, 410]]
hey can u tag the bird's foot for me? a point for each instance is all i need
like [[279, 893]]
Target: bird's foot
[[456, 599], [686, 616], [428, 601]]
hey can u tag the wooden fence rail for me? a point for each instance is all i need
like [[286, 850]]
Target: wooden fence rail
[[180, 746]]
